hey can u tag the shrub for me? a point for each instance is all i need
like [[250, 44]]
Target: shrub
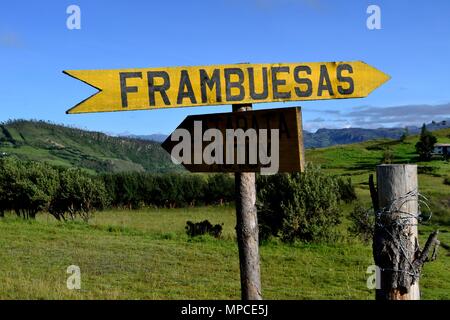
[[30, 187], [272, 192], [10, 171], [191, 190], [204, 227], [127, 189], [447, 181], [78, 195], [39, 186], [172, 191], [362, 223], [404, 135], [133, 190], [425, 145], [219, 189], [26, 187], [388, 156], [346, 189], [299, 206]]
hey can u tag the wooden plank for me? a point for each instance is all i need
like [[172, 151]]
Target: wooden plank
[[287, 120], [172, 87]]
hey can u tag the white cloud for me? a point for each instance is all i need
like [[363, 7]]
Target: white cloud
[[376, 117]]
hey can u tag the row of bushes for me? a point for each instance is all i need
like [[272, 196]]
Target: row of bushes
[[134, 190], [290, 206], [31, 187]]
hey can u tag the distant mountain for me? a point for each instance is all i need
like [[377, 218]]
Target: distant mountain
[[157, 137], [94, 151], [323, 137], [98, 152], [437, 125], [329, 137]]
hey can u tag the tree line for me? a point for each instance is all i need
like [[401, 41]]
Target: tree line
[[134, 190], [28, 187], [298, 206]]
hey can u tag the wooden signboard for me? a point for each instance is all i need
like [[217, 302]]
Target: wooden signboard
[[287, 121], [172, 87], [240, 85]]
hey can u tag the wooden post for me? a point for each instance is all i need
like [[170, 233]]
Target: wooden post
[[396, 246], [247, 229]]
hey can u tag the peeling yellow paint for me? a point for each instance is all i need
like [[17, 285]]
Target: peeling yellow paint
[[172, 87]]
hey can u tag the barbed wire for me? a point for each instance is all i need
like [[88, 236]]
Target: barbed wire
[[397, 204], [393, 217]]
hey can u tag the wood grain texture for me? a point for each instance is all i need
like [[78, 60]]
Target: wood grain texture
[[247, 229], [396, 244], [287, 120]]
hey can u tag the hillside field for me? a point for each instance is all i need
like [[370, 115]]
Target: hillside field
[[93, 151], [145, 254], [359, 160]]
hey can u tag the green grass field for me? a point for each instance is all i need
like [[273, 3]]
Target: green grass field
[[359, 160], [146, 255]]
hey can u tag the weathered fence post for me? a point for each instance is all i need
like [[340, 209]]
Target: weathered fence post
[[396, 246], [247, 229]]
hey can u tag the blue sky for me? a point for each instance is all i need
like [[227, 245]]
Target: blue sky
[[413, 47]]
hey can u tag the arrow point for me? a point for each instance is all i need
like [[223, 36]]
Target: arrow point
[[374, 77]]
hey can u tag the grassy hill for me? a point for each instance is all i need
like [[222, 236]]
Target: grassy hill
[[330, 137], [357, 157], [93, 151], [98, 152], [360, 159]]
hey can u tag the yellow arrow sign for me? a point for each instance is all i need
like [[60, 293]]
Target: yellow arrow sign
[[172, 87]]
